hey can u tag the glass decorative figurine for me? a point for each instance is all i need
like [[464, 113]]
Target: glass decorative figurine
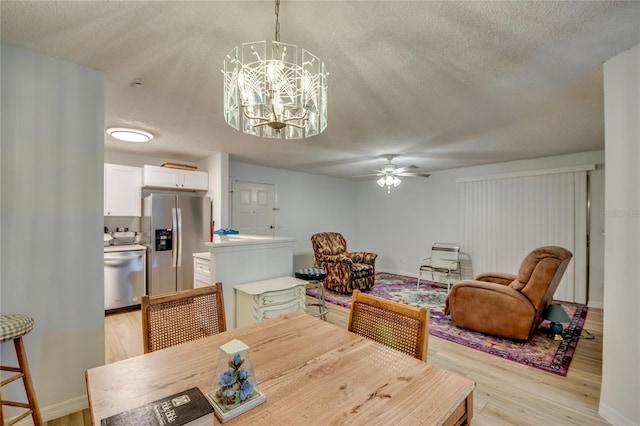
[[235, 388]]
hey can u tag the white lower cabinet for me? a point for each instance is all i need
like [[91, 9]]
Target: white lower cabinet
[[200, 280], [262, 300], [201, 270]]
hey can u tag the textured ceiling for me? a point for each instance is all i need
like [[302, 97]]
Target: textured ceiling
[[443, 84]]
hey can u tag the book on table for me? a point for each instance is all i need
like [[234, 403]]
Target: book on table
[[189, 407]]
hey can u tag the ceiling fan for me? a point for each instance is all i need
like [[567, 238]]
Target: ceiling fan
[[390, 172]]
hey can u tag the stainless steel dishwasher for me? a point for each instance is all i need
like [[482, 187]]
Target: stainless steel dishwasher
[[125, 282]]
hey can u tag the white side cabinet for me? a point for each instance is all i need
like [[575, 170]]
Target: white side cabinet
[[262, 300], [201, 269], [166, 177], [122, 190]]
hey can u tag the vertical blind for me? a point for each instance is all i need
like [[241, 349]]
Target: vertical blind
[[503, 219]]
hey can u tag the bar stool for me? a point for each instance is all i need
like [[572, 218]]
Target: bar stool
[[315, 276], [13, 327]]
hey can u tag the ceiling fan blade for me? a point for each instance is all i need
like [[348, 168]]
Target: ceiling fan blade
[[369, 175], [413, 174], [375, 173], [404, 169]]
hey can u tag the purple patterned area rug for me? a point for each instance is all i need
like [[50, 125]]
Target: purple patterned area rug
[[541, 351]]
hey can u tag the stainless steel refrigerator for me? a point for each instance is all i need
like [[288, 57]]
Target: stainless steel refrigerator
[[174, 227]]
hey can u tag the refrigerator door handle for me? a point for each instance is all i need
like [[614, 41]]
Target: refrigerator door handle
[[179, 237], [174, 236]]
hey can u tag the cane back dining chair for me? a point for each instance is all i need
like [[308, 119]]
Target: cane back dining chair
[[174, 318], [400, 327], [444, 260]]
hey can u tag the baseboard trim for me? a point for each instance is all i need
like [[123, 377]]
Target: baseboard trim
[[612, 416], [595, 305], [60, 409]]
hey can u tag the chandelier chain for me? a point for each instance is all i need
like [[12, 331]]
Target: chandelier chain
[[277, 20]]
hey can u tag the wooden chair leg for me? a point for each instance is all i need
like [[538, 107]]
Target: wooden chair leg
[[28, 383]]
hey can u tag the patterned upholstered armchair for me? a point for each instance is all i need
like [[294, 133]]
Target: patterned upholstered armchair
[[345, 271]]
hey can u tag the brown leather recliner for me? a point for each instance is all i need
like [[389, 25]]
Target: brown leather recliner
[[509, 305]]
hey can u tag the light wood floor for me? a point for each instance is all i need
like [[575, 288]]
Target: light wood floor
[[507, 393]]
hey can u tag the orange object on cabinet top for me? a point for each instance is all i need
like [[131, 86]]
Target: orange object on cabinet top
[[179, 166]]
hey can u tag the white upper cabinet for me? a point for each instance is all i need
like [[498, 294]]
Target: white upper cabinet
[[168, 178], [122, 190]]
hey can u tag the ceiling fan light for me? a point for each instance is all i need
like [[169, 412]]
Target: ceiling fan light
[[388, 180], [390, 172], [129, 135]]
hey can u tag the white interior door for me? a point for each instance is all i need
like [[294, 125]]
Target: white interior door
[[253, 208]]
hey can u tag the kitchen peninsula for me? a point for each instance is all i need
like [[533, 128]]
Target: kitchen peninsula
[[239, 259]]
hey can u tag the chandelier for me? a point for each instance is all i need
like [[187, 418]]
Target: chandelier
[[268, 93]]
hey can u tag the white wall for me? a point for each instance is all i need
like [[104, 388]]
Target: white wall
[[218, 167], [307, 204], [51, 264], [621, 350], [133, 160], [402, 226]]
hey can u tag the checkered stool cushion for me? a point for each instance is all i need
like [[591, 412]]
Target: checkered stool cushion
[[311, 274], [13, 326]]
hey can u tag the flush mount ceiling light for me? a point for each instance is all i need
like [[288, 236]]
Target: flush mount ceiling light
[[129, 135], [268, 93]]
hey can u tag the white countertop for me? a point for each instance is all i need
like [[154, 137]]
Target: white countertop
[[274, 284], [241, 239], [203, 255], [124, 247]]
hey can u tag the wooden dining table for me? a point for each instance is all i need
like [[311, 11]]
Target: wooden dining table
[[311, 372]]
